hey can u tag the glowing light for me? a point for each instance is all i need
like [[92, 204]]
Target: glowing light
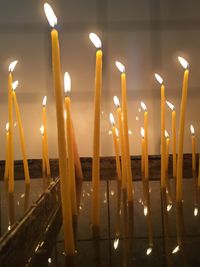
[[192, 129], [44, 101], [183, 62], [9, 227], [116, 243], [139, 109], [42, 129], [120, 66], [12, 65], [177, 248], [95, 40], [109, 132], [142, 132], [149, 250], [112, 120], [14, 85], [169, 206], [170, 105], [116, 101], [196, 211], [116, 131], [144, 107], [136, 118], [49, 260], [158, 78], [51, 17], [166, 134], [67, 82], [130, 132], [145, 210], [7, 126]]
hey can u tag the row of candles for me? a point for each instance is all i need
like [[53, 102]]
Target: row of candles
[[66, 137]]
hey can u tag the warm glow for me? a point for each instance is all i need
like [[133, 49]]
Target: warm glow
[[144, 107], [170, 105], [120, 66], [7, 126], [136, 118], [67, 82], [158, 78], [116, 101], [116, 131], [145, 210], [169, 206], [166, 134], [177, 248], [51, 17], [42, 129], [109, 132], [12, 66], [14, 85], [149, 250], [192, 129], [196, 211], [112, 120], [142, 132], [95, 40], [130, 132], [44, 102], [116, 243], [183, 62]]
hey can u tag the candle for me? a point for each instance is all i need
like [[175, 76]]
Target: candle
[[179, 180], [146, 160], [43, 152], [172, 107], [7, 152], [193, 148], [163, 145], [96, 134], [121, 140], [64, 181], [21, 133], [116, 145], [125, 131], [46, 150], [167, 150], [143, 150], [70, 148], [10, 115]]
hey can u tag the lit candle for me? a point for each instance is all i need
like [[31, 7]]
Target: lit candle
[[70, 148], [143, 150], [115, 134], [179, 180], [43, 152], [46, 150], [163, 144], [173, 136], [193, 148], [7, 152], [10, 115], [96, 134], [121, 140], [146, 160], [125, 131], [167, 150], [62, 150], [21, 133]]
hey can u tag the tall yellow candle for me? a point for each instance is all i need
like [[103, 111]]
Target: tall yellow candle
[[64, 181], [10, 115], [163, 144], [7, 152], [116, 148], [142, 150], [121, 141], [96, 134], [172, 107], [21, 134], [46, 150], [70, 148], [179, 180], [146, 159], [167, 150], [125, 131], [43, 152], [193, 148]]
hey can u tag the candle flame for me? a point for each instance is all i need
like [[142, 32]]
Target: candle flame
[[149, 250], [44, 101], [136, 118], [176, 249], [42, 129], [196, 211], [192, 129], [142, 132], [94, 38], [170, 105], [51, 17], [169, 206], [67, 82], [14, 85], [145, 210], [112, 120], [7, 126], [12, 65], [183, 62], [109, 132], [144, 107], [116, 131], [158, 78], [120, 66], [130, 132], [166, 134], [116, 101], [116, 243]]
